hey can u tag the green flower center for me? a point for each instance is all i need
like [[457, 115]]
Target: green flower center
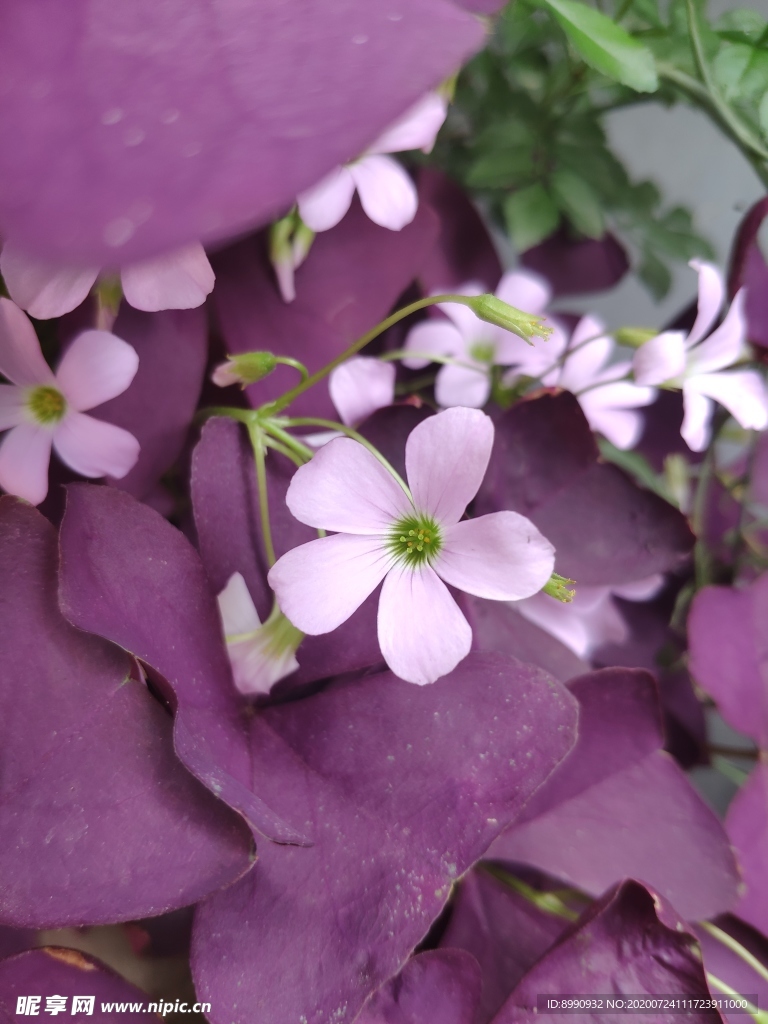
[[46, 404], [483, 351], [415, 539]]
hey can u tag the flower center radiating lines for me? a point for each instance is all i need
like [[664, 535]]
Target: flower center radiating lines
[[415, 540], [47, 405]]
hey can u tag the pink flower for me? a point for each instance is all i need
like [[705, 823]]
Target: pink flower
[[412, 540], [386, 191], [41, 409], [361, 386], [592, 618], [476, 344], [177, 280], [673, 360], [260, 653]]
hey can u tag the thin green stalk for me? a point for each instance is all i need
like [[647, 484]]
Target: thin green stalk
[[760, 1016], [313, 421], [288, 361], [549, 902], [735, 947], [259, 455], [283, 402], [283, 449], [736, 126], [301, 450]]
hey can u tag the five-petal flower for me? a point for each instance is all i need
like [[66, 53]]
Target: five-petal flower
[[695, 364], [415, 541], [41, 409], [475, 344]]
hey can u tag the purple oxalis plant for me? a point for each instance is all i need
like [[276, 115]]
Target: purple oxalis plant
[[374, 606]]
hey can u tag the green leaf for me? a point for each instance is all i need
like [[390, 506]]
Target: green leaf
[[763, 115], [578, 200], [654, 275], [531, 216], [605, 46]]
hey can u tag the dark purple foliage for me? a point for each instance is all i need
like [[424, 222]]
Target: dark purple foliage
[[619, 807], [100, 821], [637, 946], [576, 266], [605, 529], [749, 270], [403, 788], [132, 129], [441, 987]]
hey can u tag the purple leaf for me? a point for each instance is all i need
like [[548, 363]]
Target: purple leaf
[[159, 405], [732, 968], [131, 130], [503, 931], [348, 283], [68, 973], [729, 653], [747, 825], [225, 500], [130, 576], [439, 987], [498, 627], [464, 250], [637, 946], [619, 807], [749, 270], [605, 529], [403, 789], [577, 266], [106, 824]]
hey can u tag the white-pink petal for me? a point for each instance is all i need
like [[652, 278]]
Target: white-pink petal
[[697, 415], [25, 453], [416, 129], [97, 367], [524, 290], [177, 280], [387, 192], [94, 448], [44, 290], [583, 365], [463, 385], [12, 405], [725, 345], [661, 359], [500, 556], [588, 622], [346, 489], [361, 386], [324, 205], [320, 584], [422, 632], [622, 427], [741, 392], [437, 337], [236, 607], [711, 297], [446, 457], [21, 360]]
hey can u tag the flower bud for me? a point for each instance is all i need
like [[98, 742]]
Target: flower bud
[[244, 369], [634, 337], [496, 311]]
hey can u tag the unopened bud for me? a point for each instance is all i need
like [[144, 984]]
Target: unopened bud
[[559, 587], [634, 337], [244, 369], [496, 311]]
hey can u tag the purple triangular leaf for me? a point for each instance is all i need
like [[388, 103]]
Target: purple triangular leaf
[[438, 987], [747, 825], [101, 821], [132, 130], [403, 788]]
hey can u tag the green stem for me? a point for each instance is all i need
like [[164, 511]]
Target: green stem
[[735, 125], [313, 421], [760, 1016], [283, 449], [259, 455], [288, 361], [283, 402], [549, 902], [700, 554], [302, 451], [735, 947]]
